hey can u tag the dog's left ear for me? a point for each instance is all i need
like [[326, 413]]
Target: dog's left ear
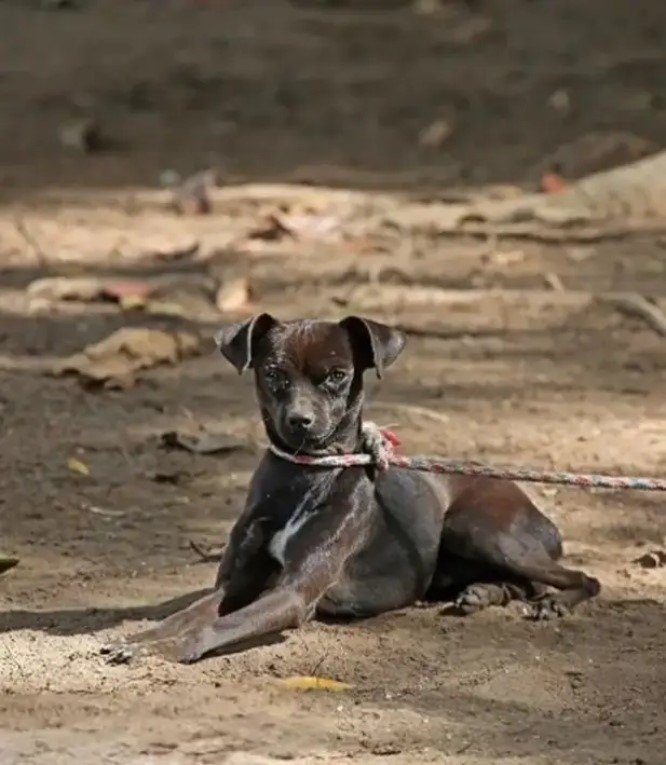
[[377, 345], [238, 342]]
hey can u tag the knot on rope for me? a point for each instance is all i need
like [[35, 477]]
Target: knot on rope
[[379, 443]]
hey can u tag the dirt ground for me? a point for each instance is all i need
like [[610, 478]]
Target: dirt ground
[[275, 94]]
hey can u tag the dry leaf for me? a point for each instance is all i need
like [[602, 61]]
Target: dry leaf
[[165, 308], [553, 281], [471, 30], [653, 559], [311, 225], [81, 135], [551, 183], [560, 101], [427, 7], [233, 295], [103, 511], [88, 289], [594, 152], [436, 134], [192, 196], [124, 289], [7, 562], [132, 302], [116, 359], [507, 257], [66, 288], [309, 683], [161, 307], [76, 466], [204, 443], [270, 230], [308, 226]]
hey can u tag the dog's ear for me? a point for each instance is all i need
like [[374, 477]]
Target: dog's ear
[[238, 342], [376, 344]]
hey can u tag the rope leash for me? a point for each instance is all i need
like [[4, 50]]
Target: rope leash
[[380, 445]]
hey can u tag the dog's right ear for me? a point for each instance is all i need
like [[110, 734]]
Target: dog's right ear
[[238, 342]]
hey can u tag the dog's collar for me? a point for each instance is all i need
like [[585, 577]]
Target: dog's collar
[[378, 445]]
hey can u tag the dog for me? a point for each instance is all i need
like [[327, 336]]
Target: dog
[[354, 541]]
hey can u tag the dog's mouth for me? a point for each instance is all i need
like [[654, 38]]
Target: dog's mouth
[[315, 445]]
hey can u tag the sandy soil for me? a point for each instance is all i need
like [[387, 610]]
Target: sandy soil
[[270, 92]]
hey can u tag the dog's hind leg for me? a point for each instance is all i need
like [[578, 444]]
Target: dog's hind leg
[[494, 525]]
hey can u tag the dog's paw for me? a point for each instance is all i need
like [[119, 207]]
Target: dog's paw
[[120, 653], [548, 608], [191, 646], [475, 598]]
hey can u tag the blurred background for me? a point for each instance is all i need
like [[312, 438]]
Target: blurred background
[[488, 176]]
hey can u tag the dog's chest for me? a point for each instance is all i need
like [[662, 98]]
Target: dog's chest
[[278, 544], [305, 506]]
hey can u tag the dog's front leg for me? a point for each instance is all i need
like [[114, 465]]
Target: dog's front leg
[[314, 559], [280, 609], [202, 611], [242, 575]]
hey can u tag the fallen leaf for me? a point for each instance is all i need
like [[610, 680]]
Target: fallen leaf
[[115, 360], [386, 749], [507, 257], [551, 183], [270, 230], [192, 196], [76, 466], [427, 7], [88, 289], [560, 101], [104, 512], [592, 153], [553, 281], [205, 443], [297, 226], [132, 302], [155, 307], [81, 135], [435, 135], [653, 559], [308, 683], [180, 253], [173, 477], [66, 288], [7, 562], [124, 289], [471, 30], [164, 308], [311, 225], [233, 295]]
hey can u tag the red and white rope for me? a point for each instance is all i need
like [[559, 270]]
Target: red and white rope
[[380, 450]]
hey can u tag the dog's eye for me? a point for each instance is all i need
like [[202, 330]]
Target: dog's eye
[[336, 376], [276, 378]]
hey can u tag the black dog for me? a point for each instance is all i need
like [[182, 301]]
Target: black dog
[[353, 541]]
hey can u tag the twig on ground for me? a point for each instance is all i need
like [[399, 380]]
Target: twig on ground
[[30, 240], [632, 304], [550, 234], [320, 661], [206, 556]]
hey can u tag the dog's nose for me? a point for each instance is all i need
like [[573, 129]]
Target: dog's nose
[[300, 420]]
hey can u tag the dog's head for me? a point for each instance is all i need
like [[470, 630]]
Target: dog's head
[[309, 374]]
